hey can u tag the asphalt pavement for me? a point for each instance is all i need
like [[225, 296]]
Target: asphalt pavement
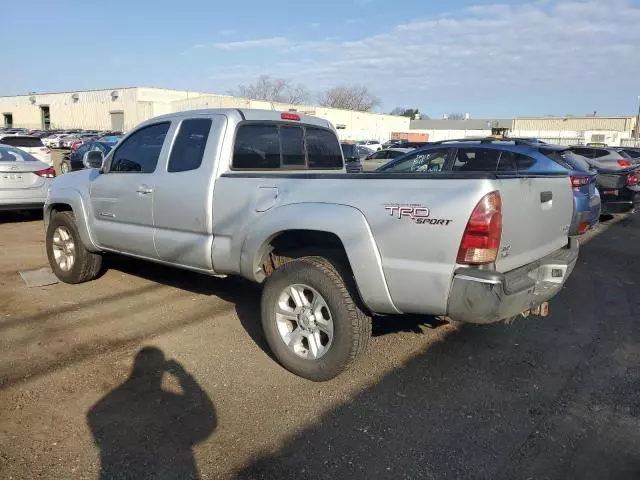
[[153, 372]]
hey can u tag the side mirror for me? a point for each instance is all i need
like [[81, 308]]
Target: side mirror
[[93, 159]]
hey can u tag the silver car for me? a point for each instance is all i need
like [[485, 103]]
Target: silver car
[[379, 158], [24, 180]]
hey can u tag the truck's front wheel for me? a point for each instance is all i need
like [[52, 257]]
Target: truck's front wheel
[[69, 260], [310, 319]]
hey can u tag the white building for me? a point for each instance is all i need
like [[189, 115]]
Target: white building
[[123, 108]]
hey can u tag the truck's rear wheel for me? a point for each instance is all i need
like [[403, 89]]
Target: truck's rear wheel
[[69, 260], [310, 319]]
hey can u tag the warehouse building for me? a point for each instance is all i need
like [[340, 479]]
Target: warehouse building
[[568, 130], [124, 108], [614, 131], [437, 130]]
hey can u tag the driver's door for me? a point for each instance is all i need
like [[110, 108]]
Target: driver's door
[[122, 196]]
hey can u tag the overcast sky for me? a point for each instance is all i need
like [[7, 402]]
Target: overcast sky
[[513, 58]]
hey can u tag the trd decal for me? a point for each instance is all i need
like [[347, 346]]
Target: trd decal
[[416, 213]]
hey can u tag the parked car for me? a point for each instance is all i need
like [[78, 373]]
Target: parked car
[[32, 145], [74, 160], [604, 157], [379, 158], [24, 180], [68, 140], [53, 140], [332, 249], [633, 153], [586, 197], [394, 143], [617, 178], [82, 139], [374, 145], [351, 157], [505, 156]]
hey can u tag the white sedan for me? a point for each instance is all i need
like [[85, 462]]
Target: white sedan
[[24, 180]]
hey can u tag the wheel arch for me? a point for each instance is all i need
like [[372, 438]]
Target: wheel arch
[[338, 231], [68, 200]]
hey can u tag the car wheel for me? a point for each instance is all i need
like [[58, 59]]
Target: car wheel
[[70, 261], [65, 167], [311, 321]]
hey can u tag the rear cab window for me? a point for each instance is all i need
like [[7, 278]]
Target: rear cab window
[[281, 146]]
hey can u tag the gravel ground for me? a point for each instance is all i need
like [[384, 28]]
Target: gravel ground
[[541, 398]]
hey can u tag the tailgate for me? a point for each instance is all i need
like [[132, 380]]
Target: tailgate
[[536, 215]]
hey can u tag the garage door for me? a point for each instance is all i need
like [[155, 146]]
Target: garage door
[[117, 121]]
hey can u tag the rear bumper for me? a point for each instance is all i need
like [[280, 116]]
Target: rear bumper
[[627, 199], [481, 296]]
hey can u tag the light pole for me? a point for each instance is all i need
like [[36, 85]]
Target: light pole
[[637, 123]]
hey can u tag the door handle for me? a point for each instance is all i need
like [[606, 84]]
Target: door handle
[[546, 197], [144, 189]]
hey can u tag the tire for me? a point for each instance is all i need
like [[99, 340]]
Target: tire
[[351, 327], [65, 167], [85, 265]]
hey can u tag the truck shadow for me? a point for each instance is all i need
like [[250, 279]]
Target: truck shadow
[[20, 216], [245, 296], [540, 398]]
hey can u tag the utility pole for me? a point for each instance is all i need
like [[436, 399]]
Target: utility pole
[[638, 124]]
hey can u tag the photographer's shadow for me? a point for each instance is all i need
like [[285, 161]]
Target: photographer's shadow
[[143, 431]]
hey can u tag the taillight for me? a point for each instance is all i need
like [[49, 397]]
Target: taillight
[[579, 181], [632, 179], [46, 173], [481, 239], [583, 227], [624, 163]]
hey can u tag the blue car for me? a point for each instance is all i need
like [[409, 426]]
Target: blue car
[[73, 161], [586, 197], [505, 156]]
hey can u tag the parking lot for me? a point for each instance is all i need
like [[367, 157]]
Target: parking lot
[[541, 398]]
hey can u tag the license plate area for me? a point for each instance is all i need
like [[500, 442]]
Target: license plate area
[[12, 178]]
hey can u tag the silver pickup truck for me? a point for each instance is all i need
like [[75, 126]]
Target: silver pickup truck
[[264, 195]]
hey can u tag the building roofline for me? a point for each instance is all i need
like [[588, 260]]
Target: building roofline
[[101, 90], [578, 117]]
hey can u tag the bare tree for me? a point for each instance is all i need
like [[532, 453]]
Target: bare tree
[[355, 97], [412, 113], [273, 90], [455, 116]]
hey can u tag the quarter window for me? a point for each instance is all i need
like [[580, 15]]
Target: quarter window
[[188, 149], [139, 153]]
